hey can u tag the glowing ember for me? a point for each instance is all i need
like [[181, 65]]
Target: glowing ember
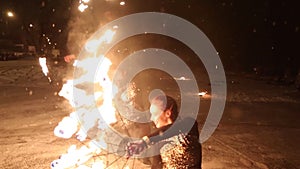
[[43, 64], [122, 3], [82, 7], [10, 14]]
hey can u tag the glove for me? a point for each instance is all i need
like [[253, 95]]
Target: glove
[[135, 147]]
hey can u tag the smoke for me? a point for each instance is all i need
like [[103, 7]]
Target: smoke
[[83, 25]]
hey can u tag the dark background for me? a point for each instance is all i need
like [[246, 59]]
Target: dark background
[[250, 35]]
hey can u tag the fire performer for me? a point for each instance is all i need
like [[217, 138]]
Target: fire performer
[[180, 148]]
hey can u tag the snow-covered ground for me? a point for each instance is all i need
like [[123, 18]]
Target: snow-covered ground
[[260, 126]]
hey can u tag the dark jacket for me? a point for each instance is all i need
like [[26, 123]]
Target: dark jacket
[[181, 148]]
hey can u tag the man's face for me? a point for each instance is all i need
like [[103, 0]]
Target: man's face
[[158, 116], [156, 112]]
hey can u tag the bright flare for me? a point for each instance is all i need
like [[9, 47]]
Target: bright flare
[[10, 14], [43, 63], [202, 94]]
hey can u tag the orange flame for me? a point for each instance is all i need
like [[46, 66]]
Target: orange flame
[[92, 108]]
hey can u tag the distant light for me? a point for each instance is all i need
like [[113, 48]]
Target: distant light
[[31, 25], [202, 94], [59, 30], [10, 14], [85, 1], [53, 25], [182, 78], [122, 3]]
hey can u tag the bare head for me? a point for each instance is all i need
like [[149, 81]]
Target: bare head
[[163, 110]]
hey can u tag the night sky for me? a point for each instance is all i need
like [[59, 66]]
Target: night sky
[[247, 34]]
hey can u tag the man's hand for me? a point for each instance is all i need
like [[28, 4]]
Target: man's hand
[[69, 58], [135, 147]]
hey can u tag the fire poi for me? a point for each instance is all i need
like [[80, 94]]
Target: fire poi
[[92, 95]]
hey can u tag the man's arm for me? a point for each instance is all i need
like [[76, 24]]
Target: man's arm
[[177, 128]]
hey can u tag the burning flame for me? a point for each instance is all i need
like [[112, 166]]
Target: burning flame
[[94, 109], [92, 45], [77, 157], [43, 64]]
